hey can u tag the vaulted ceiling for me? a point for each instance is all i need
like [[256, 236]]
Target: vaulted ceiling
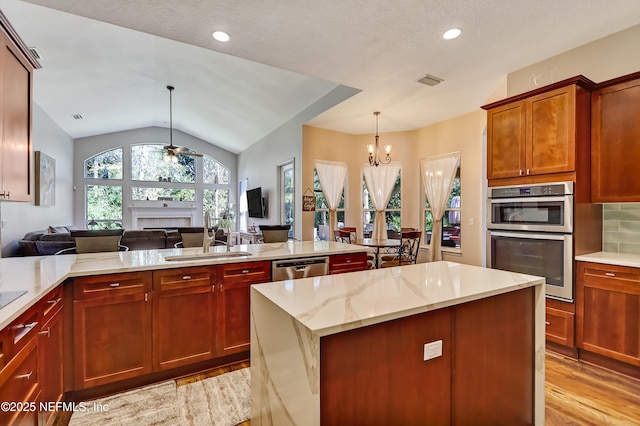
[[111, 60]]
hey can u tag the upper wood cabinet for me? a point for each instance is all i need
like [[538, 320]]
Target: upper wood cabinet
[[16, 92], [539, 132], [615, 140]]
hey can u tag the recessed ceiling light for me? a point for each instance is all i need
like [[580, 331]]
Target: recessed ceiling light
[[221, 36], [451, 34]]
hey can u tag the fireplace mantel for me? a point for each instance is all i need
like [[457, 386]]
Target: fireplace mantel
[[162, 217]]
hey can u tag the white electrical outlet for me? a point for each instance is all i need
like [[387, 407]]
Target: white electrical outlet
[[432, 350]]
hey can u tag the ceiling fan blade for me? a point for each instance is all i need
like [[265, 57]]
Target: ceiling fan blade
[[191, 154]]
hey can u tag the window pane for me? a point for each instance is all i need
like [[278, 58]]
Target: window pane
[[216, 202], [321, 202], [173, 194], [288, 196], [106, 165], [451, 235], [394, 201], [393, 220], [104, 207], [214, 172], [148, 164]]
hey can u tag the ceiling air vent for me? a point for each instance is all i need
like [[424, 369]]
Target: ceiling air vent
[[35, 53], [77, 116], [430, 80]]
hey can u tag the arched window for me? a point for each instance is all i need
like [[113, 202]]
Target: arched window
[[106, 165], [148, 164]]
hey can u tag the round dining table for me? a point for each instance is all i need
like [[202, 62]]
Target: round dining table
[[386, 246]]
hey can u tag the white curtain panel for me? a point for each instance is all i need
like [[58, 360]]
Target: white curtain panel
[[332, 176], [438, 174], [380, 180]]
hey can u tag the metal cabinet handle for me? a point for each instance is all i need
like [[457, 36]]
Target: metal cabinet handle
[[47, 332], [610, 274], [547, 323], [245, 271], [53, 301], [31, 325], [520, 172], [528, 172], [348, 260], [114, 285], [24, 376], [186, 277]]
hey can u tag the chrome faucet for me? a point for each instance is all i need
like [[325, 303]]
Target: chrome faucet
[[207, 237]]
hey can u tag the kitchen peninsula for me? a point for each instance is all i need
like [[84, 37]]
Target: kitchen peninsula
[[93, 324], [434, 343]]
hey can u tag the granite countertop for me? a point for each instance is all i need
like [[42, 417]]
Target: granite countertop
[[331, 304], [610, 258], [40, 274]]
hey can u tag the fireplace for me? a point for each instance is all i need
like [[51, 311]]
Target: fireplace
[[162, 217]]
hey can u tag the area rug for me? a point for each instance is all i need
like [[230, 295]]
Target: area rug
[[220, 401], [151, 405]]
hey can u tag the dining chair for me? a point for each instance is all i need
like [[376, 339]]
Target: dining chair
[[190, 237], [353, 231], [408, 252], [275, 233], [96, 241], [342, 236]]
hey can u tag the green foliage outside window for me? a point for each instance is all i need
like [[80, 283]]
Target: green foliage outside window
[[148, 164], [106, 165], [104, 207]]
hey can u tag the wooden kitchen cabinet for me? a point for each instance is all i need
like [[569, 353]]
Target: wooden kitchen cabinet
[[539, 132], [341, 263], [184, 316], [560, 323], [234, 315], [50, 352], [16, 92], [615, 136], [112, 328], [608, 311]]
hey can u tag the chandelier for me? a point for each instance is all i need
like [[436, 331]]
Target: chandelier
[[374, 157]]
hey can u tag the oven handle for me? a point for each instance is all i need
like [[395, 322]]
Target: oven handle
[[566, 197], [528, 235]]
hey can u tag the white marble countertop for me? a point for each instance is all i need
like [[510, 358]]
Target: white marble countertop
[[331, 304], [40, 274], [610, 258]]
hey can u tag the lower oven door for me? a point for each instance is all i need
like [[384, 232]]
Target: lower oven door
[[544, 255]]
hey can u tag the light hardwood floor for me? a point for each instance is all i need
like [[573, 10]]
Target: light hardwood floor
[[576, 393]]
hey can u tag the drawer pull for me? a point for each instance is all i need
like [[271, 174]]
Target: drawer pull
[[528, 172], [31, 325], [114, 285], [25, 376], [348, 260], [53, 301], [186, 277], [547, 323], [47, 332], [610, 274], [245, 271]]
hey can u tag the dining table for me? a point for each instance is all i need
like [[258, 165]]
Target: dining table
[[380, 246]]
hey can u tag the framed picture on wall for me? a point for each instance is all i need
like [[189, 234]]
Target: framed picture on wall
[[45, 180]]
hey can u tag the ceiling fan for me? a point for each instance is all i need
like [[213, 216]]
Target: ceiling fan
[[172, 151]]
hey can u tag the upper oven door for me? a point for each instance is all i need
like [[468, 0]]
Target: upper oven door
[[541, 214]]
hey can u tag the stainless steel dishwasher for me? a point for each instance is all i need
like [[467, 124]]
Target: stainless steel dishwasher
[[299, 268]]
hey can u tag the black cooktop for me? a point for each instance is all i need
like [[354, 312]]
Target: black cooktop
[[7, 297]]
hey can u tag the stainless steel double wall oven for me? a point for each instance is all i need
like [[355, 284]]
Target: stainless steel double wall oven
[[530, 230]]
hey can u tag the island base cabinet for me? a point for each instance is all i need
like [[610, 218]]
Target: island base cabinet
[[51, 364], [377, 375], [20, 385], [112, 339]]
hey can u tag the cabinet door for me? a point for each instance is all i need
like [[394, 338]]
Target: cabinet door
[[51, 363], [341, 263], [233, 303], [551, 132], [608, 311], [16, 123], [615, 151], [19, 382], [112, 338], [506, 134], [184, 322]]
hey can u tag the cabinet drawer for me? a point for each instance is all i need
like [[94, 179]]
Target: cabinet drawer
[[560, 327], [51, 303], [171, 279], [22, 330], [254, 272], [347, 263], [19, 383], [112, 285], [613, 275]]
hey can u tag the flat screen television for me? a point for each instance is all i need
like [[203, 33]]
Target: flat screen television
[[255, 203]]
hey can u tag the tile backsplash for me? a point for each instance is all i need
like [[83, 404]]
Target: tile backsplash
[[621, 227]]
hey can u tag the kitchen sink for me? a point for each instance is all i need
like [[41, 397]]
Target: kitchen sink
[[204, 256]]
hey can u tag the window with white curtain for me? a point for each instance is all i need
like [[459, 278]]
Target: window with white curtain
[[321, 214], [392, 212], [451, 234]]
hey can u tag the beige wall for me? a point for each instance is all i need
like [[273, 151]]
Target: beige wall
[[463, 134]]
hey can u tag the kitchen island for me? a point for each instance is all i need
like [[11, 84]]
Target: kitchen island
[[435, 343]]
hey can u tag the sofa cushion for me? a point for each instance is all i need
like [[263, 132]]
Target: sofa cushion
[[52, 247], [61, 236], [145, 239], [58, 229], [27, 248]]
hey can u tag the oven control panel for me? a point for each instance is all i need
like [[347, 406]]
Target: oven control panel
[[546, 190]]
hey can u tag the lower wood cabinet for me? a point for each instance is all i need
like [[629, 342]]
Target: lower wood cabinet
[[184, 316], [560, 323], [19, 384], [50, 352], [608, 311], [341, 263], [234, 312], [112, 328]]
